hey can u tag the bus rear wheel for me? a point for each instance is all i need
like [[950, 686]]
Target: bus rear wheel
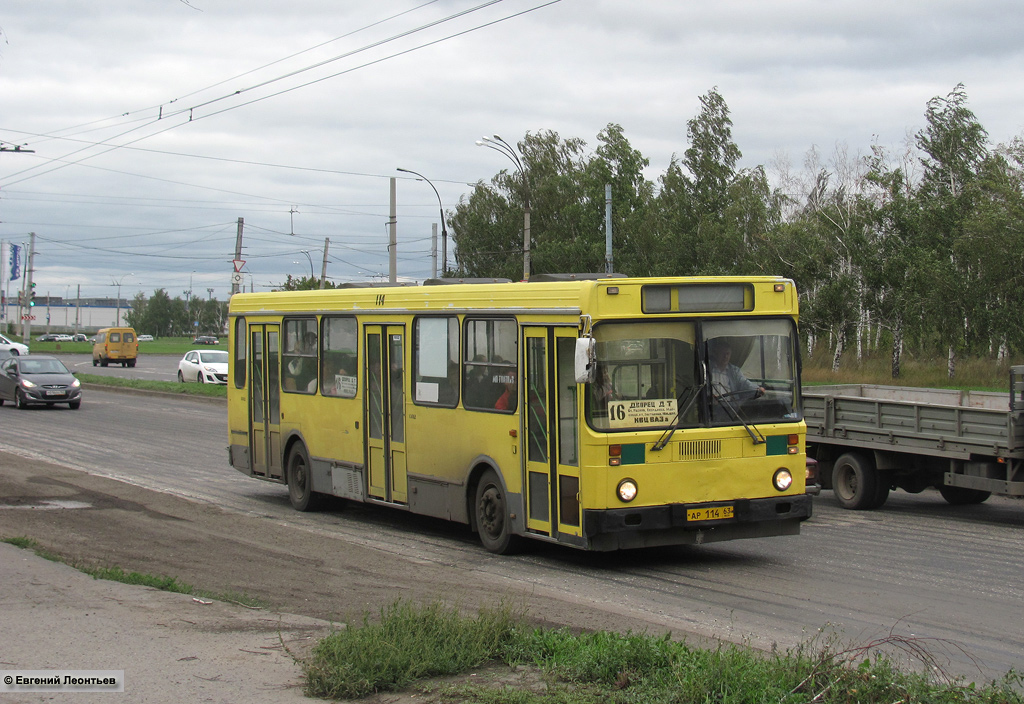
[[855, 482], [492, 518], [300, 480]]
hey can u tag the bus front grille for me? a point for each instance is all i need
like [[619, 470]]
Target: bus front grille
[[700, 449]]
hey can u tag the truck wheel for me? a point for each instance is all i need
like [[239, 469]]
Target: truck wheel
[[855, 482], [961, 496], [881, 490]]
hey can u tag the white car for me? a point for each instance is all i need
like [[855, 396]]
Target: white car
[[145, 338], [15, 348], [204, 366]]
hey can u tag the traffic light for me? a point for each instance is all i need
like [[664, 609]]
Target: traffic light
[[32, 295]]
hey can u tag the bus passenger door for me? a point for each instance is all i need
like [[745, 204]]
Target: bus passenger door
[[551, 431], [265, 401], [384, 410]]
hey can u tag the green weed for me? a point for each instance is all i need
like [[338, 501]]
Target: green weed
[[169, 387], [408, 645]]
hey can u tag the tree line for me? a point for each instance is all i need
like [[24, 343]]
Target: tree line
[[163, 316], [916, 247]]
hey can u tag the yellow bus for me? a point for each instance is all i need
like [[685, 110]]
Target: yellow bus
[[596, 412]]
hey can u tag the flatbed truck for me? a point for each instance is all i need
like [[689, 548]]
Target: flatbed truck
[[870, 439]]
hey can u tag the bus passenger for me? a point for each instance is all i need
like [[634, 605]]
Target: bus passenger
[[508, 401], [603, 389]]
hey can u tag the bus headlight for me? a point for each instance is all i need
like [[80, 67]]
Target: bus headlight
[[782, 479], [627, 490]]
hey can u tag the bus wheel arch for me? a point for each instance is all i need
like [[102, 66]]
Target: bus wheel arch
[[490, 514], [298, 472]]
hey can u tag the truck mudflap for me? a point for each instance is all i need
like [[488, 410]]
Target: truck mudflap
[[697, 516]]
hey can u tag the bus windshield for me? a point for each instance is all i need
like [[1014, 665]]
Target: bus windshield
[[683, 374]]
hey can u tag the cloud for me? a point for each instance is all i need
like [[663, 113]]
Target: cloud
[[296, 115]]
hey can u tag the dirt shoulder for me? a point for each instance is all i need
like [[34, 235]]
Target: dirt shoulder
[[96, 521]]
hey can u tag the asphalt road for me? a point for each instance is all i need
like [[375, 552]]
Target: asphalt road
[[942, 576], [148, 367]]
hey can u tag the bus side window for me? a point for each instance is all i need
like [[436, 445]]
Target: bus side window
[[299, 373], [490, 354], [339, 363], [436, 361]]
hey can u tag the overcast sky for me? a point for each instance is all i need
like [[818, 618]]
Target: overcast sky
[[156, 124]]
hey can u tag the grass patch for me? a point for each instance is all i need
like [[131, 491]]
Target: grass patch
[[980, 374], [163, 345], [407, 645], [116, 574], [168, 387]]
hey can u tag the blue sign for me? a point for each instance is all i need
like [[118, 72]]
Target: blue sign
[[15, 262]]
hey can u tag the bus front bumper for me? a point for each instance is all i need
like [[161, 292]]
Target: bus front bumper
[[694, 524]]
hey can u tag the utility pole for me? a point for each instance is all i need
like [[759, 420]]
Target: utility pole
[[433, 250], [236, 278], [26, 328], [323, 270], [17, 149], [393, 235], [608, 228]]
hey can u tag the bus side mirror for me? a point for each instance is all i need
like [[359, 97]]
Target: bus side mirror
[[586, 368]]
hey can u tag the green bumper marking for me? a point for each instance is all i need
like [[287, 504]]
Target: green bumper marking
[[777, 445], [634, 454]]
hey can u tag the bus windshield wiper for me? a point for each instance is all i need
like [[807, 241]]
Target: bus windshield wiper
[[724, 402], [690, 394]]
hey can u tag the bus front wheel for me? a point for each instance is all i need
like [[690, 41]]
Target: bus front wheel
[[300, 480], [492, 519]]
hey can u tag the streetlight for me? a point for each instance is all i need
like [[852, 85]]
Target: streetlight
[[312, 276], [502, 147], [115, 282], [444, 230]]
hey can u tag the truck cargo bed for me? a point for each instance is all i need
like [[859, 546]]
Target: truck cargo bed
[[937, 422]]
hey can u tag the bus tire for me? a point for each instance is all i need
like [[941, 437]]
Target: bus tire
[[300, 480], [855, 482], [962, 496], [492, 520]]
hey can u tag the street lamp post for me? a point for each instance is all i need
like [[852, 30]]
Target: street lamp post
[[502, 147], [444, 230], [115, 282], [312, 276]]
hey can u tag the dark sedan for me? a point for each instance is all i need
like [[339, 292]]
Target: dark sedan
[[30, 379]]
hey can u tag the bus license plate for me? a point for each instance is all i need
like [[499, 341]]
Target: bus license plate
[[713, 513]]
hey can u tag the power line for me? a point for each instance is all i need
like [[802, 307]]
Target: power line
[[189, 112]]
